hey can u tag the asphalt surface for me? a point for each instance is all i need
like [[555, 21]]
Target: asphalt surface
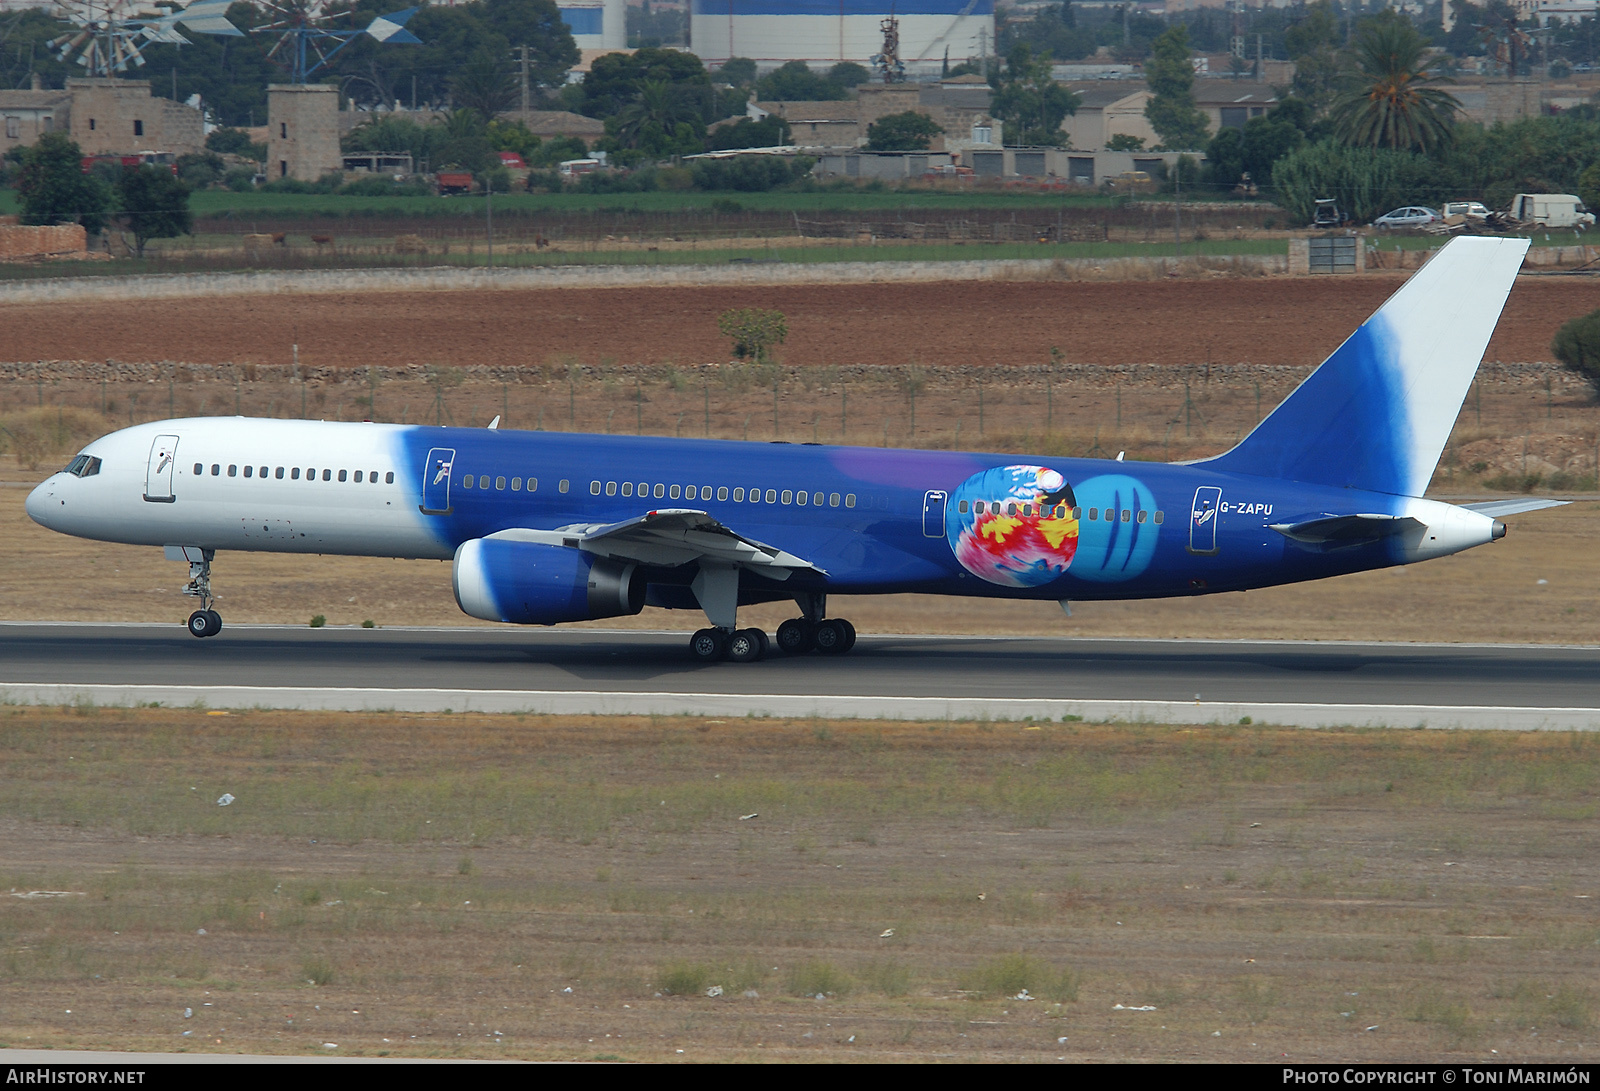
[[880, 666]]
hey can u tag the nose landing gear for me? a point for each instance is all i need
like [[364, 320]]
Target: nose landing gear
[[205, 621]]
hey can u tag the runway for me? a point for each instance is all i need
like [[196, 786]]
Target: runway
[[900, 677]]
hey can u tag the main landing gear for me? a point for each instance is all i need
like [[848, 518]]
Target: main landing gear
[[204, 621], [797, 636]]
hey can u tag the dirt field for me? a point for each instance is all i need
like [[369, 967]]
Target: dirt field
[[575, 888], [1264, 320]]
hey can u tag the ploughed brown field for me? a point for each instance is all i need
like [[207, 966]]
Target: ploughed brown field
[[1273, 320]]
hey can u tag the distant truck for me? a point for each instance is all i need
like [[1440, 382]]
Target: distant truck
[[1550, 210]]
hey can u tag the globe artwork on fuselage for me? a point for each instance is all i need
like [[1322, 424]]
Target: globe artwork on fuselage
[[1013, 525]]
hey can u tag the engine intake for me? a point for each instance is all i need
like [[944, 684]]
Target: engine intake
[[524, 583]]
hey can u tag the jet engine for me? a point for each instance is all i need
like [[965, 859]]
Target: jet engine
[[525, 583]]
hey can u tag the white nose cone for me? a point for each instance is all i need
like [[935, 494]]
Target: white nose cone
[[40, 502]]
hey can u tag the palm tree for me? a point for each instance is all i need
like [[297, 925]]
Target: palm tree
[[1390, 103]]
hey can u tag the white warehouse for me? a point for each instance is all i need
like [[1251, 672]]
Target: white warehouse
[[772, 32]]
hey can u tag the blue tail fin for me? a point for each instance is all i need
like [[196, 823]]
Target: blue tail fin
[[1377, 413]]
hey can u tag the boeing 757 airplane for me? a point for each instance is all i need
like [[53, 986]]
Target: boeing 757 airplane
[[547, 527]]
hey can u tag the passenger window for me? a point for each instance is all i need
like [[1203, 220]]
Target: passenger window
[[233, 471], [799, 497], [594, 488], [738, 496], [1094, 514], [1126, 515], [294, 474], [833, 501], [722, 492], [772, 496], [466, 482], [627, 488], [1027, 511], [1143, 515], [342, 475], [327, 475], [1077, 513], [249, 471], [215, 469], [500, 483], [689, 492], [388, 478], [533, 485], [849, 499], [705, 492], [611, 488], [962, 507], [278, 473], [516, 484], [676, 492], [816, 500], [660, 491], [358, 477], [1011, 509], [263, 472], [563, 486], [1161, 516], [198, 469]]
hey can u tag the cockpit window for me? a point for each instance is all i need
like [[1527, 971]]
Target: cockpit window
[[83, 466]]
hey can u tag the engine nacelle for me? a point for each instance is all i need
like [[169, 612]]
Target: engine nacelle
[[529, 584]]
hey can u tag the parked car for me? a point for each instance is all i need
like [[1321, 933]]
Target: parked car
[[1472, 210], [1410, 216]]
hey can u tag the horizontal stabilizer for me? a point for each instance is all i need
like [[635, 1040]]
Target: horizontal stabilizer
[[1494, 509], [1329, 532]]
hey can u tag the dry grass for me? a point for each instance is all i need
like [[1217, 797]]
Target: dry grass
[[436, 885]]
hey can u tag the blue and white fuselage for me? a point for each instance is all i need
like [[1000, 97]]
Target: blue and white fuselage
[[547, 527]]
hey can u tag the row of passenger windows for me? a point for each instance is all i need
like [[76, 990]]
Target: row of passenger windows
[[1128, 515], [722, 492], [500, 483], [293, 473]]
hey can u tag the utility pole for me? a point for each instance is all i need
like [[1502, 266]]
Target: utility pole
[[525, 99]]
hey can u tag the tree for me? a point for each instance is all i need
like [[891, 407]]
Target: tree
[[1366, 182], [154, 205], [1577, 346], [796, 82], [904, 132], [1170, 74], [1389, 103], [485, 84], [770, 132], [1029, 100], [737, 71], [663, 119], [1127, 142], [754, 331], [55, 189]]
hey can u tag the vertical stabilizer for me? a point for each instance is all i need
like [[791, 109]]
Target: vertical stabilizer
[[1377, 413]]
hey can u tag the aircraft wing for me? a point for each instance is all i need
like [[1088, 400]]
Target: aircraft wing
[[669, 537], [1496, 508], [1327, 532]]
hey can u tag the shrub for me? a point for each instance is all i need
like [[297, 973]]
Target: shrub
[[753, 331], [685, 979], [818, 979], [1577, 346]]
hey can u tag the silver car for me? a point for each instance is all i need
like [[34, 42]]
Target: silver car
[[1410, 216]]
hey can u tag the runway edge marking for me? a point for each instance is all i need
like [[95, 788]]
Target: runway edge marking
[[602, 703]]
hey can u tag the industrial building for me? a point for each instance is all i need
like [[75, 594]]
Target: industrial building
[[596, 24], [824, 32]]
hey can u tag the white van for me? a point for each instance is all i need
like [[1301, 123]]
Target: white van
[[1551, 210]]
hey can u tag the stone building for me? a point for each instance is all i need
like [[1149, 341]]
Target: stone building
[[302, 131], [25, 116], [120, 117]]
